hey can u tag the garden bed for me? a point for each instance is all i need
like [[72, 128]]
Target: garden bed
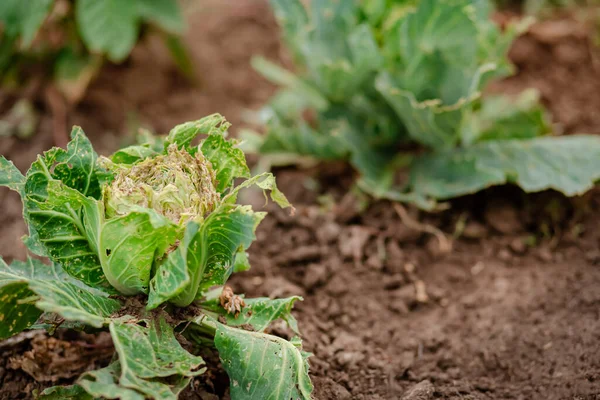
[[510, 311]]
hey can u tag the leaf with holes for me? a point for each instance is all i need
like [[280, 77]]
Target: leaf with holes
[[257, 313], [10, 176], [262, 366], [147, 355], [28, 288]]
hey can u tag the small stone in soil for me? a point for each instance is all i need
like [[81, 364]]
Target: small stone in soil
[[433, 248], [544, 254], [349, 358], [474, 230], [352, 241], [394, 257], [393, 282], [316, 275], [518, 246], [374, 262], [421, 292], [421, 391], [503, 217], [504, 255], [328, 232], [399, 306]]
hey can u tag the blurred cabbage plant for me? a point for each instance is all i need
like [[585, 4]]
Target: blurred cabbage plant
[[68, 39], [378, 78]]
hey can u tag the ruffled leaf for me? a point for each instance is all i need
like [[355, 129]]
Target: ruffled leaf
[[258, 313], [183, 134], [28, 288], [58, 229], [152, 364], [215, 246], [567, 164], [227, 161], [262, 366]]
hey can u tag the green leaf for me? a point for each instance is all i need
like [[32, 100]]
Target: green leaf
[[183, 134], [108, 27], [258, 313], [262, 366], [34, 16], [172, 275], [23, 18], [241, 263], [215, 245], [14, 315], [568, 164], [227, 161], [181, 56], [73, 73], [439, 25], [75, 167], [27, 288], [265, 181], [165, 13], [56, 227], [74, 392], [104, 383], [504, 117], [429, 122], [147, 354], [299, 138], [11, 17], [287, 79], [132, 154], [10, 176], [73, 301], [292, 17], [128, 247], [366, 56]]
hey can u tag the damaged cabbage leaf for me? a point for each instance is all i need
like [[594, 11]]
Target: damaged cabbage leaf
[[262, 366], [151, 364], [211, 259], [28, 288], [59, 195], [257, 313]]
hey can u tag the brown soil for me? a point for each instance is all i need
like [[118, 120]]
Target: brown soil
[[512, 311]]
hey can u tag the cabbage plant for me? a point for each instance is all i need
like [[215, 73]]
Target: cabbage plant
[[142, 243], [376, 80], [71, 38]]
